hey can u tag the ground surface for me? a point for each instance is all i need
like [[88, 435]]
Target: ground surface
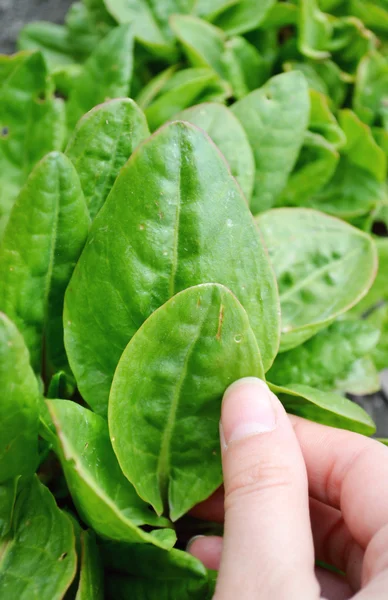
[[13, 15]]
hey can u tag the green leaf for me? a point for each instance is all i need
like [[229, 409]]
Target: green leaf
[[323, 267], [243, 66], [189, 225], [316, 164], [314, 31], [105, 500], [362, 378], [51, 39], [91, 584], [101, 144], [275, 127], [323, 122], [164, 427], [154, 87], [327, 356], [150, 20], [39, 559], [379, 289], [228, 134], [87, 23], [107, 74], [19, 408], [202, 43], [324, 77], [358, 184], [184, 89], [327, 408], [32, 123], [379, 318], [44, 237], [351, 40], [8, 491], [244, 16], [371, 14], [175, 574], [210, 10], [280, 15], [371, 88]]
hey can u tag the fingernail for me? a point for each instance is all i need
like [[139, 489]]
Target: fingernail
[[247, 409], [192, 540]]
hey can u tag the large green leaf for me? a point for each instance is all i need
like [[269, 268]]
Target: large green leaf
[[323, 267], [316, 164], [379, 318], [371, 89], [361, 378], [327, 408], [39, 559], [358, 184], [244, 66], [91, 584], [8, 491], [323, 122], [314, 30], [164, 427], [44, 237], [202, 42], [51, 39], [175, 574], [101, 144], [106, 501], [150, 20], [379, 289], [19, 407], [228, 134], [275, 127], [106, 74], [184, 89], [32, 123], [244, 16], [190, 224], [327, 356]]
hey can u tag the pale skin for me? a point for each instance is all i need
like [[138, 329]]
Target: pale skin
[[295, 492]]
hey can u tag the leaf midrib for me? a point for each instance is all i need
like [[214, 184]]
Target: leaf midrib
[[164, 460]]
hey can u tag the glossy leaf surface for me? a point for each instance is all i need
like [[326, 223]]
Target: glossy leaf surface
[[327, 356], [101, 144], [104, 498], [327, 408], [244, 16], [275, 119], [186, 88], [358, 183], [189, 225], [228, 134], [106, 74], [164, 427], [19, 408], [8, 491], [91, 584], [39, 559], [32, 123], [323, 267], [176, 574], [42, 242]]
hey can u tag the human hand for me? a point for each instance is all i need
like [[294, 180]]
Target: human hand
[[295, 491]]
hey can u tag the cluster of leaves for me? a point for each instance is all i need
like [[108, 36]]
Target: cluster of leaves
[[141, 274]]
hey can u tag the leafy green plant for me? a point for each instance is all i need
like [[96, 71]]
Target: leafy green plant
[[142, 273]]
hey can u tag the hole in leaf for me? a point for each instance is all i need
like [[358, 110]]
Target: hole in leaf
[[41, 97], [4, 132], [58, 94], [63, 556]]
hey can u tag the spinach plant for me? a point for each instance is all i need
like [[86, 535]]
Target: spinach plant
[[191, 192]]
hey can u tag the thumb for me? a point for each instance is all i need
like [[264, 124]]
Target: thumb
[[268, 549]]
